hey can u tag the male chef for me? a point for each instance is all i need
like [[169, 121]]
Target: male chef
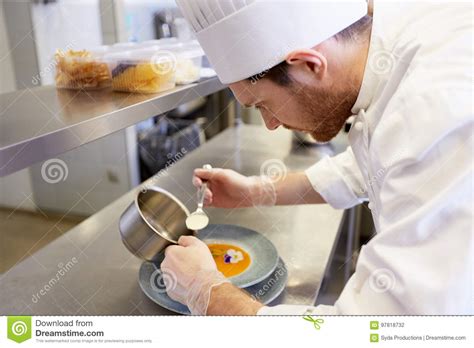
[[404, 71]]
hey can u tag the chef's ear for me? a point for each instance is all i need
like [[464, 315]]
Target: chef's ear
[[314, 61]]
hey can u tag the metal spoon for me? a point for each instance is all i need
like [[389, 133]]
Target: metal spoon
[[198, 219]]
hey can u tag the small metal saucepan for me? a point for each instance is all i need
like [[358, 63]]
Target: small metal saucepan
[[155, 220]]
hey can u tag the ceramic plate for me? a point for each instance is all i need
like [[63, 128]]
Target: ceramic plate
[[152, 283], [263, 254]]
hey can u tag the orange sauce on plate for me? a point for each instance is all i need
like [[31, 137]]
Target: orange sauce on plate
[[230, 259]]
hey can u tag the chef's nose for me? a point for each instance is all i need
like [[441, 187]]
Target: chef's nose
[[271, 122]]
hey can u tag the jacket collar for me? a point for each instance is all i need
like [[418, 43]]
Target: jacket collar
[[372, 76]]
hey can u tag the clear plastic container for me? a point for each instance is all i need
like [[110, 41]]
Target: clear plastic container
[[188, 58], [124, 46], [142, 71], [81, 70], [191, 44], [188, 64], [100, 51], [159, 42], [168, 43]]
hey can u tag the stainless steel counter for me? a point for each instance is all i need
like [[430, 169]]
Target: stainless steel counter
[[103, 281], [39, 123]]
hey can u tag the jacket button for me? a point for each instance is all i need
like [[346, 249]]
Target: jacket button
[[359, 126]]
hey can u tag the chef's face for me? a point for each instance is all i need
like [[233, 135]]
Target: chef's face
[[315, 101]]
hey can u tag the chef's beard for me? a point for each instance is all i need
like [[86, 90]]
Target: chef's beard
[[324, 112]]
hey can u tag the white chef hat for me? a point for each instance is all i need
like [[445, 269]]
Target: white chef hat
[[242, 38]]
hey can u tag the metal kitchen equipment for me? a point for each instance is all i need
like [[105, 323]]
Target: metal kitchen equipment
[[168, 141], [155, 220]]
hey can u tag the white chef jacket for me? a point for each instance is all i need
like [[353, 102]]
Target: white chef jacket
[[410, 156]]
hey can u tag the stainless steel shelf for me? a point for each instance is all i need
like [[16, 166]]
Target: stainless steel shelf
[[40, 123]]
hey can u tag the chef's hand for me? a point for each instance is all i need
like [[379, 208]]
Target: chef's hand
[[190, 273], [229, 189]]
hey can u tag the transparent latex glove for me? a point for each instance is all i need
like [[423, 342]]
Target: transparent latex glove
[[229, 189], [190, 273]]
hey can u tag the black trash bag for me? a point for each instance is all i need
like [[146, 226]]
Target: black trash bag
[[167, 142]]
